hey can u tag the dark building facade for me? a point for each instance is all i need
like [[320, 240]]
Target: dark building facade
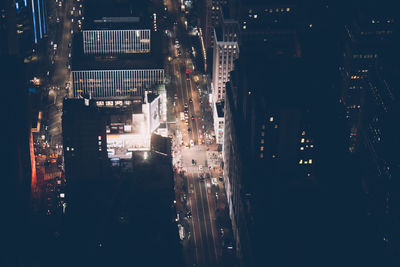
[[84, 144], [369, 36], [283, 137], [16, 165]]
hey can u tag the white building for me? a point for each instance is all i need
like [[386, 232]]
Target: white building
[[219, 122], [226, 50]]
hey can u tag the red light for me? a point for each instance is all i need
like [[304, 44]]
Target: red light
[[187, 71]]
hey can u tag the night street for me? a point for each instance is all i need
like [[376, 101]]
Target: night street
[[200, 133]]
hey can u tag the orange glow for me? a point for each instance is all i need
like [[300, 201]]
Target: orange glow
[[33, 162]]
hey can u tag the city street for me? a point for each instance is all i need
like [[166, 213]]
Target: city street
[[61, 75], [196, 159]]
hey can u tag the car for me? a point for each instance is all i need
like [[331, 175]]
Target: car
[[220, 179], [186, 116], [185, 110], [200, 168], [189, 130], [185, 105], [190, 100], [187, 122], [193, 162], [191, 143]]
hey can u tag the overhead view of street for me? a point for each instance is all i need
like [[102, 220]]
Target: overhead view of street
[[193, 142], [200, 133]]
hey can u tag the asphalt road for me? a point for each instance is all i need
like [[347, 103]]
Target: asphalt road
[[203, 221], [61, 73], [204, 233]]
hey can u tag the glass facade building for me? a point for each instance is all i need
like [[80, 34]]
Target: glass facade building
[[116, 41], [115, 83]]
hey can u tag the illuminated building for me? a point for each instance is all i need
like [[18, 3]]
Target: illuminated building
[[110, 84], [130, 124], [26, 21], [226, 50], [116, 41], [219, 121], [112, 73]]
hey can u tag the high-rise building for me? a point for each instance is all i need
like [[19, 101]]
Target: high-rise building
[[132, 69], [281, 136], [369, 37], [225, 51], [16, 166], [267, 135], [379, 143], [85, 146], [210, 18]]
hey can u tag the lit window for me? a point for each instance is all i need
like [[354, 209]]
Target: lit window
[[276, 126], [271, 119], [311, 146], [301, 148], [301, 161], [287, 9], [302, 140], [255, 16], [303, 133], [262, 141], [305, 162], [310, 161], [262, 148], [261, 155]]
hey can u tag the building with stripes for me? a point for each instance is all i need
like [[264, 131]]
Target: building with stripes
[[107, 68], [116, 41], [115, 84]]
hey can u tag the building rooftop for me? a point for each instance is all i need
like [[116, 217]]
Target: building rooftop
[[220, 109], [152, 60], [116, 14]]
